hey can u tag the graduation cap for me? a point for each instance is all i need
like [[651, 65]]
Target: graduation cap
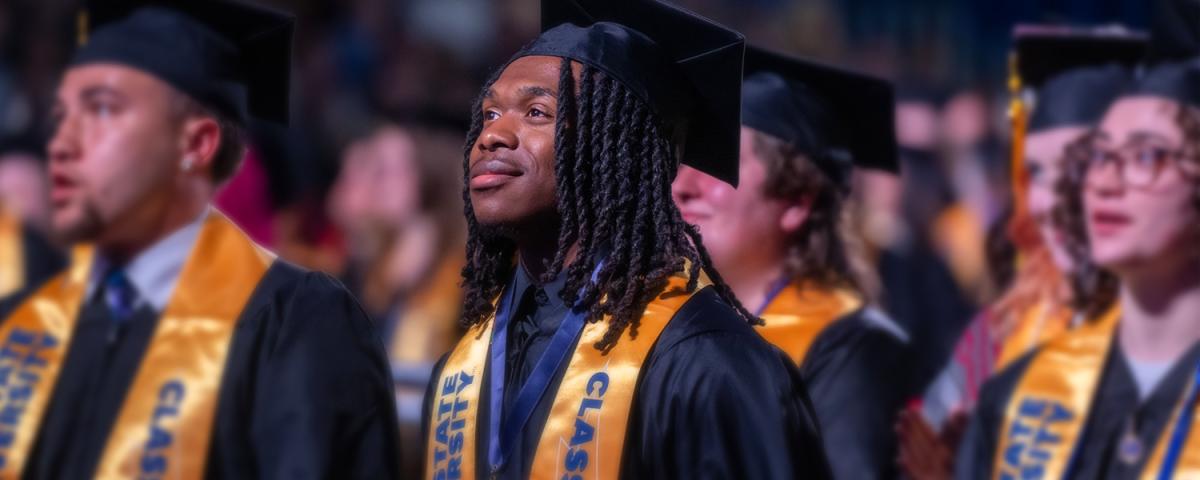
[[688, 68], [229, 56], [1075, 72], [839, 118], [1175, 50]]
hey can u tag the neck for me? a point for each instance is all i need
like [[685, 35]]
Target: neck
[[536, 252], [140, 231], [751, 286], [1159, 312]]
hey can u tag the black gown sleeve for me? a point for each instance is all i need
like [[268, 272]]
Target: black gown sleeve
[[851, 373], [721, 404], [322, 403], [977, 453]]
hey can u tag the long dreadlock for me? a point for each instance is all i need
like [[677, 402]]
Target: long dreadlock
[[614, 163]]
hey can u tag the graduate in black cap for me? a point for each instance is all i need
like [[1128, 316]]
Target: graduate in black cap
[[1116, 397], [174, 347], [776, 239], [616, 351], [1068, 76]]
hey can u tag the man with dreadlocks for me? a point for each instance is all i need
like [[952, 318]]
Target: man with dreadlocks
[[601, 342]]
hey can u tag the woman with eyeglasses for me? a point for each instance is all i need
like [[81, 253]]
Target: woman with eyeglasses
[[1116, 397]]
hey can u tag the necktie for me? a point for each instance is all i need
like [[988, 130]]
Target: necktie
[[120, 296]]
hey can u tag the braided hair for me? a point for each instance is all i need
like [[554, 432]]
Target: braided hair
[[614, 163]]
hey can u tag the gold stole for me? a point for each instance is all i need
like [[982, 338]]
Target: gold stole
[[1045, 417], [425, 327], [1036, 325], [585, 432], [796, 316], [12, 259], [165, 425]]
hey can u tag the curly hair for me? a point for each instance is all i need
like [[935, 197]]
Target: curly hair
[[614, 163], [820, 251], [1095, 288]]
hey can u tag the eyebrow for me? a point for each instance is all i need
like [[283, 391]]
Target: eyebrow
[[98, 90], [1143, 135], [525, 92]]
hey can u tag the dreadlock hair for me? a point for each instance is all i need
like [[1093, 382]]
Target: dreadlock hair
[[614, 163]]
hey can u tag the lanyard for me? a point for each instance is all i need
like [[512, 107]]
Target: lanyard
[[776, 287], [504, 430]]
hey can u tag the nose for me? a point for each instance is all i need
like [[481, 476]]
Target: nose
[[64, 145], [686, 187], [1105, 179], [498, 134]]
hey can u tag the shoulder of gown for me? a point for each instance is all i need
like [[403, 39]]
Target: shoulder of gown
[[851, 370], [308, 381], [717, 401]]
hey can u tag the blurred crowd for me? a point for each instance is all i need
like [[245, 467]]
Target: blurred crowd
[[367, 182]]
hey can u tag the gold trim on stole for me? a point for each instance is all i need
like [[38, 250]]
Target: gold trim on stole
[[12, 258], [1037, 324], [1045, 417], [584, 435], [585, 430], [165, 425], [796, 316], [35, 339]]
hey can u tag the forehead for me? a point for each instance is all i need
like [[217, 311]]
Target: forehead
[[530, 71], [112, 76], [1136, 116]]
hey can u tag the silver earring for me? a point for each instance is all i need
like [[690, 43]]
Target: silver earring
[[186, 164]]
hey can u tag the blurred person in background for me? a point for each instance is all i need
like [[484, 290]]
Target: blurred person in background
[[917, 287], [595, 313], [1116, 398], [174, 346], [1074, 75], [398, 201], [27, 257], [778, 239]]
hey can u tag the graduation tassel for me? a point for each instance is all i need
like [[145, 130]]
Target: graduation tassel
[[81, 27]]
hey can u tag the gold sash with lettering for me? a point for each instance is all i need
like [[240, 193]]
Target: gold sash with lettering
[[12, 259], [1045, 417], [796, 316], [585, 431], [1037, 324], [165, 424]]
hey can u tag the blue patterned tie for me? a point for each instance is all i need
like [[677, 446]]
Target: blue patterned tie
[[119, 295]]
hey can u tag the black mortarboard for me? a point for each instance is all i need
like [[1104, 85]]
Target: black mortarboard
[[837, 117], [685, 66], [229, 56], [1076, 72], [1175, 48]]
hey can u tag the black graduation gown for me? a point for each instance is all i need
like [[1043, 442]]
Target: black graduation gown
[[851, 373], [714, 401], [41, 261], [306, 391], [1115, 404], [922, 296]]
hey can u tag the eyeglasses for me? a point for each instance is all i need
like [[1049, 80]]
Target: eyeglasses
[[1137, 165]]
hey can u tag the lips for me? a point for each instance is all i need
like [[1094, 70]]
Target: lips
[[1109, 222], [61, 188], [693, 216], [492, 173]]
